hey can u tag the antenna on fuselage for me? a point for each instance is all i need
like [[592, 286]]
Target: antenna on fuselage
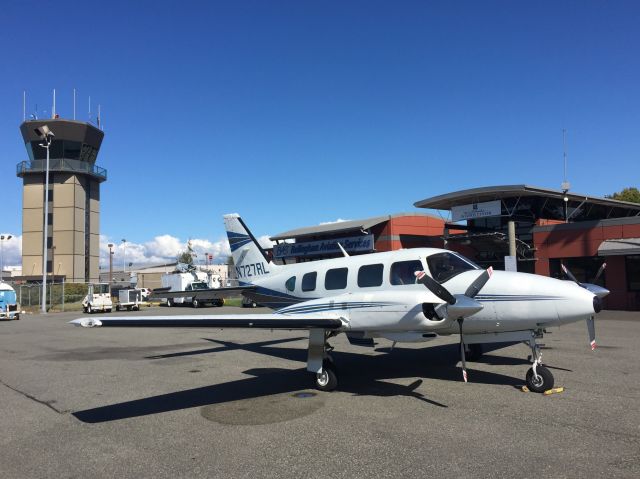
[[346, 255]]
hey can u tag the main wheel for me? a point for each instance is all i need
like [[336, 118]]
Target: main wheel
[[542, 383], [195, 303], [327, 380]]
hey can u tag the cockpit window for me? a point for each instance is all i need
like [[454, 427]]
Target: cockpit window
[[444, 266], [404, 272]]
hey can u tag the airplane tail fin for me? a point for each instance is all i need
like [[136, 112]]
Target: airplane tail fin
[[249, 258]]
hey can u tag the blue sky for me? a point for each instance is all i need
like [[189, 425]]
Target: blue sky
[[296, 113]]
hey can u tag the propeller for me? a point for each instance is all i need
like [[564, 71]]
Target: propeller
[[458, 306], [599, 293]]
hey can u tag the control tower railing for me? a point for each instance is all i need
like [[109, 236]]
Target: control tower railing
[[61, 164]]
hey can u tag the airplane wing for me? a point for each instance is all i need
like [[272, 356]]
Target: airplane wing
[[201, 294], [249, 321]]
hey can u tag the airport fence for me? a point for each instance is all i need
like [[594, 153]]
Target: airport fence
[[61, 296]]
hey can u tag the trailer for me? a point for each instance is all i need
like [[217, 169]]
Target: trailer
[[98, 298], [129, 299], [9, 307]]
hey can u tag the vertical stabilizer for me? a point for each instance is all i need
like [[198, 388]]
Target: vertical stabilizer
[[249, 258]]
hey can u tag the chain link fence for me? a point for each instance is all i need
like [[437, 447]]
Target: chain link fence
[[60, 296]]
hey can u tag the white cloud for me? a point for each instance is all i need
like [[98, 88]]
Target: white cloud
[[161, 249], [11, 251]]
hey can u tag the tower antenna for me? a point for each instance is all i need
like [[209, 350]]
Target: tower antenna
[[53, 109]]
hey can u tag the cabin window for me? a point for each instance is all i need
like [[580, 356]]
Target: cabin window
[[309, 281], [370, 275], [291, 283], [336, 279], [444, 266], [403, 272]]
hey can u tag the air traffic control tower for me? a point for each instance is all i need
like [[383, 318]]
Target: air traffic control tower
[[73, 236]]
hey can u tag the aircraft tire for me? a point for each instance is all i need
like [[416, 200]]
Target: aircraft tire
[[195, 303], [544, 381], [327, 380]]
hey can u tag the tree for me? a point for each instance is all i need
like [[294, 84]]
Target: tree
[[630, 194], [187, 255]]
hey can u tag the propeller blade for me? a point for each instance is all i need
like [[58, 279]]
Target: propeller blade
[[600, 271], [435, 287], [569, 275], [591, 327], [475, 287], [462, 352]]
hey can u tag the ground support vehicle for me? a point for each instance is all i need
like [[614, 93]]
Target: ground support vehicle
[[189, 283], [129, 299], [98, 298], [9, 307]]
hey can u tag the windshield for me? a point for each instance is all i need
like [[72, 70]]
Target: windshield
[[199, 285], [8, 297], [444, 266]]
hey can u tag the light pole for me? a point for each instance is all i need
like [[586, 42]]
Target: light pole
[[124, 256], [110, 245], [3, 238], [47, 135]]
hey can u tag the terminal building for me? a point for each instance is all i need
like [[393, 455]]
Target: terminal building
[[73, 196], [536, 229]]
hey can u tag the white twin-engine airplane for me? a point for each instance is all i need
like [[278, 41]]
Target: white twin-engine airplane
[[409, 295]]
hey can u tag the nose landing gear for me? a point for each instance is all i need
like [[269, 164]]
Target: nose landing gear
[[539, 378]]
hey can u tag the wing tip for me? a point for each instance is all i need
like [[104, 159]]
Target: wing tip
[[86, 322]]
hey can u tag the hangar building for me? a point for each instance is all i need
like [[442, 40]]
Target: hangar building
[[381, 233]]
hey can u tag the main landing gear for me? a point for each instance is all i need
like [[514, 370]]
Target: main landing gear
[[319, 361], [539, 378]]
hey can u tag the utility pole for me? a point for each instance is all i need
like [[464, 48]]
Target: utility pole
[[110, 245]]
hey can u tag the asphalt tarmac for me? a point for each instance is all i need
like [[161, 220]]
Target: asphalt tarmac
[[156, 403]]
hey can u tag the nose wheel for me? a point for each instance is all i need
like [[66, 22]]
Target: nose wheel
[[539, 378]]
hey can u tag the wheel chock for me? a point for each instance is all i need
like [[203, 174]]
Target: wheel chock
[[553, 391], [524, 389]]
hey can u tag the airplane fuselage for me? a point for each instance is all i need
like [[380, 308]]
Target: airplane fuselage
[[512, 301]]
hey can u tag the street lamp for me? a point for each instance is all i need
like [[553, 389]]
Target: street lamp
[[45, 134], [124, 256], [3, 238], [110, 245]]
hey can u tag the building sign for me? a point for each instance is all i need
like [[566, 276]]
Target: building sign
[[476, 210], [353, 244]]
